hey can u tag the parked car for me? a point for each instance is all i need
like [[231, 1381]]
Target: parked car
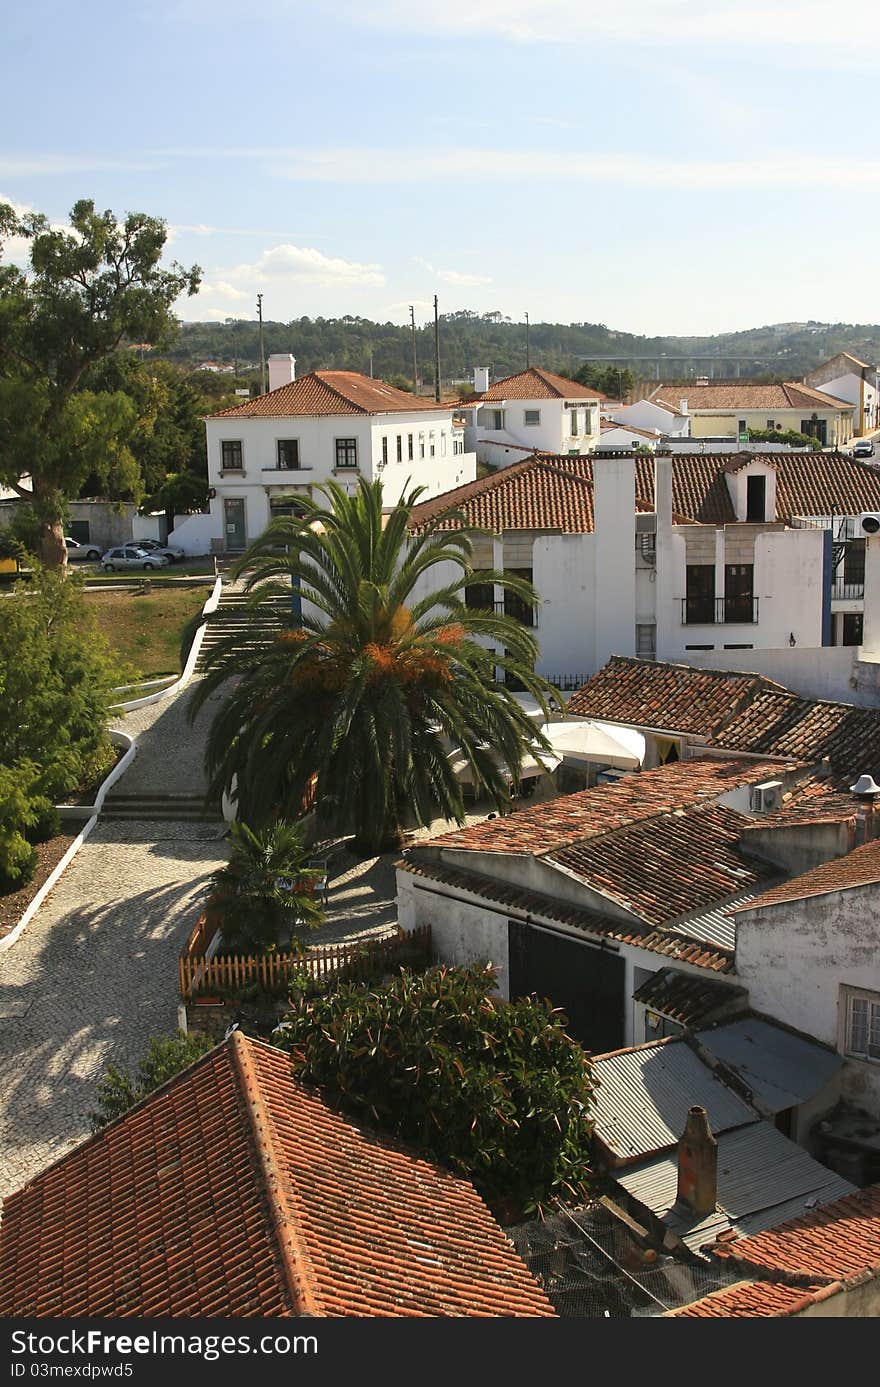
[[863, 448], [152, 546], [129, 556], [75, 550]]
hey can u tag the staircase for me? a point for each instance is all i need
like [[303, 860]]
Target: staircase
[[234, 617], [170, 808]]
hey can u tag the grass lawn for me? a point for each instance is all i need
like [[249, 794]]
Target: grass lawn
[[144, 631]]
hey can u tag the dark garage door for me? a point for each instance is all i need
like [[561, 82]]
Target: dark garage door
[[586, 982]]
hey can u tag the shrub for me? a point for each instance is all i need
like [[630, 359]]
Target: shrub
[[44, 821], [165, 1056], [497, 1091], [17, 860], [263, 893]]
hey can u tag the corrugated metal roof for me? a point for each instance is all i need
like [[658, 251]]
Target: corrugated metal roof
[[782, 1070], [763, 1180], [714, 926], [642, 1101]]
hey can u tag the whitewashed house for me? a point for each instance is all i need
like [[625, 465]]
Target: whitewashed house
[[848, 378], [655, 416], [532, 411], [329, 425]]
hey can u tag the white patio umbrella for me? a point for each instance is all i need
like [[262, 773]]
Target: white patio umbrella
[[599, 742], [531, 765]]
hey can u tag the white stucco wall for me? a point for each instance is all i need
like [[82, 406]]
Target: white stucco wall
[[553, 432], [645, 415], [815, 672], [795, 957]]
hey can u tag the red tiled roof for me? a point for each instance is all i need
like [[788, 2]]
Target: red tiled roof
[[569, 819], [528, 495], [234, 1191], [858, 868], [670, 697], [775, 723], [692, 1001], [837, 1241], [535, 384], [745, 395], [748, 1299], [331, 392], [535, 905]]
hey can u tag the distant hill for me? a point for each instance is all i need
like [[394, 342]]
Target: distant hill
[[780, 351]]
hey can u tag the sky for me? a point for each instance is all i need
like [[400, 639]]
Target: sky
[[660, 166]]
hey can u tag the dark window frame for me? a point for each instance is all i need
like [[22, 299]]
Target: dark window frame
[[281, 447], [231, 447], [345, 449]]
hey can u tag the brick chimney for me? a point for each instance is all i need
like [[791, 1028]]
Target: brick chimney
[[698, 1164]]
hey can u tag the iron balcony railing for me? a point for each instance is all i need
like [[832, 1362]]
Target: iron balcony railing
[[848, 592], [719, 611]]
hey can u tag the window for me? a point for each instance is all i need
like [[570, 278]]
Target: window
[[574, 423], [409, 446], [288, 454], [589, 421], [756, 499], [816, 428], [699, 604], [230, 455], [443, 445], [421, 445], [699, 647], [346, 452], [431, 447], [738, 592], [853, 561], [480, 595], [771, 423], [531, 416], [515, 606], [400, 447], [852, 629], [861, 1023], [385, 451], [739, 647], [496, 418], [742, 426]]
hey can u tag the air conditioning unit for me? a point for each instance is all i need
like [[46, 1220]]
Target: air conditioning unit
[[766, 797], [869, 523]]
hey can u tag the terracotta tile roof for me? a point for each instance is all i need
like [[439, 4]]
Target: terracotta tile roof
[[815, 802], [688, 999], [824, 484], [331, 392], [670, 697], [748, 1299], [668, 866], [781, 724], [535, 905], [234, 1191], [858, 868], [837, 1241], [745, 395], [536, 384], [569, 819], [529, 495]]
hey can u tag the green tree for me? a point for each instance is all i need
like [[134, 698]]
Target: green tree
[[86, 291], [263, 894], [165, 1056], [497, 1091], [56, 684], [378, 686]]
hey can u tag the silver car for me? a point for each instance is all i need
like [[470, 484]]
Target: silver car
[[130, 556], [152, 546], [75, 550]]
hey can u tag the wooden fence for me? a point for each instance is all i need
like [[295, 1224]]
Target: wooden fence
[[202, 977]]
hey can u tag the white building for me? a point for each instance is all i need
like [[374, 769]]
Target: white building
[[655, 416], [710, 409], [735, 554], [330, 425], [848, 378], [534, 411]]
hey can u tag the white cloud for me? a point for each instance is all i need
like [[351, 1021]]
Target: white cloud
[[363, 165], [784, 30], [312, 266], [33, 166], [461, 279], [220, 290]]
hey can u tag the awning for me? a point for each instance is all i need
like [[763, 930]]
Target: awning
[[599, 742]]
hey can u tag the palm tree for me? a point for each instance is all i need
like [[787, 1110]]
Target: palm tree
[[374, 687], [263, 892]]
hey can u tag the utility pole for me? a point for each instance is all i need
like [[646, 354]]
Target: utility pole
[[412, 320], [436, 352], [371, 360], [528, 353], [262, 350]]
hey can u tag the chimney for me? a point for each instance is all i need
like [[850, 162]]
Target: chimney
[[282, 369], [698, 1164], [481, 379], [865, 792], [683, 406]]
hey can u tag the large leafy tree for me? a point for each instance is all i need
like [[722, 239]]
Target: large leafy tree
[[86, 290], [496, 1090], [379, 690]]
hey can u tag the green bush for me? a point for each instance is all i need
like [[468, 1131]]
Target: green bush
[[44, 820], [165, 1056], [497, 1091], [17, 860], [262, 895]]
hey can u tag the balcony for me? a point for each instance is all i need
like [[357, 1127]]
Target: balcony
[[841, 591], [719, 611]]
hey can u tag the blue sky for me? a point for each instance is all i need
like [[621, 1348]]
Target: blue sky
[[662, 166]]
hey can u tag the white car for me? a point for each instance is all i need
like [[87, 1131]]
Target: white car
[[864, 448], [75, 550], [152, 546], [129, 556]]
